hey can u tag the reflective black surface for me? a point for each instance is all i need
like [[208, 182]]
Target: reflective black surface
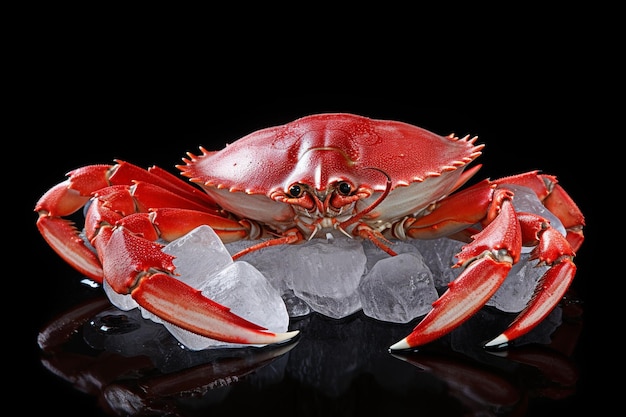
[[131, 366], [335, 368]]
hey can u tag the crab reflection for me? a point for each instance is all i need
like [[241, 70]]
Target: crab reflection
[[135, 367]]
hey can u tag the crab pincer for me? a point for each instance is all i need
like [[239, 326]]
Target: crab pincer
[[488, 260]]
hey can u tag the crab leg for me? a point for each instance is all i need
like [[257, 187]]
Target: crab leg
[[553, 249], [126, 217], [556, 200], [72, 194], [61, 234], [562, 205]]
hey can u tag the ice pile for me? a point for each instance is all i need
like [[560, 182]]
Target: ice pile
[[339, 276], [320, 275]]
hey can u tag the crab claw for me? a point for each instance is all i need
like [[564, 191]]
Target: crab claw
[[464, 297], [489, 259], [137, 266], [553, 249], [186, 307]]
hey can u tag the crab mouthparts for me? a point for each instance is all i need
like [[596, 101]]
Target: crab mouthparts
[[315, 224]]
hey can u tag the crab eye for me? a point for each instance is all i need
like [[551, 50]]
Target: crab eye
[[295, 191], [344, 188]]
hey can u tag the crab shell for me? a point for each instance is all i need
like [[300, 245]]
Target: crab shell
[[252, 177]]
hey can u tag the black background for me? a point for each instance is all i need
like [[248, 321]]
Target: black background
[[80, 102]]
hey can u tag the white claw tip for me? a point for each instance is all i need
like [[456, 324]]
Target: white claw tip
[[401, 345], [498, 341], [282, 337]]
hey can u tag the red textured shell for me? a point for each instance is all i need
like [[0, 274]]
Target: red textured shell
[[321, 149]]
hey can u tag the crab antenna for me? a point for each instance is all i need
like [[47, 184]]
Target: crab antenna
[[372, 206]]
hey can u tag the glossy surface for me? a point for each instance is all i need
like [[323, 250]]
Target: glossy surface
[[253, 176], [125, 365], [343, 144]]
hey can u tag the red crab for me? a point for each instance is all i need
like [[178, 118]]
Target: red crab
[[326, 173]]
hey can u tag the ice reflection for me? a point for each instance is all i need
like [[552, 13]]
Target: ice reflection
[[335, 367]]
